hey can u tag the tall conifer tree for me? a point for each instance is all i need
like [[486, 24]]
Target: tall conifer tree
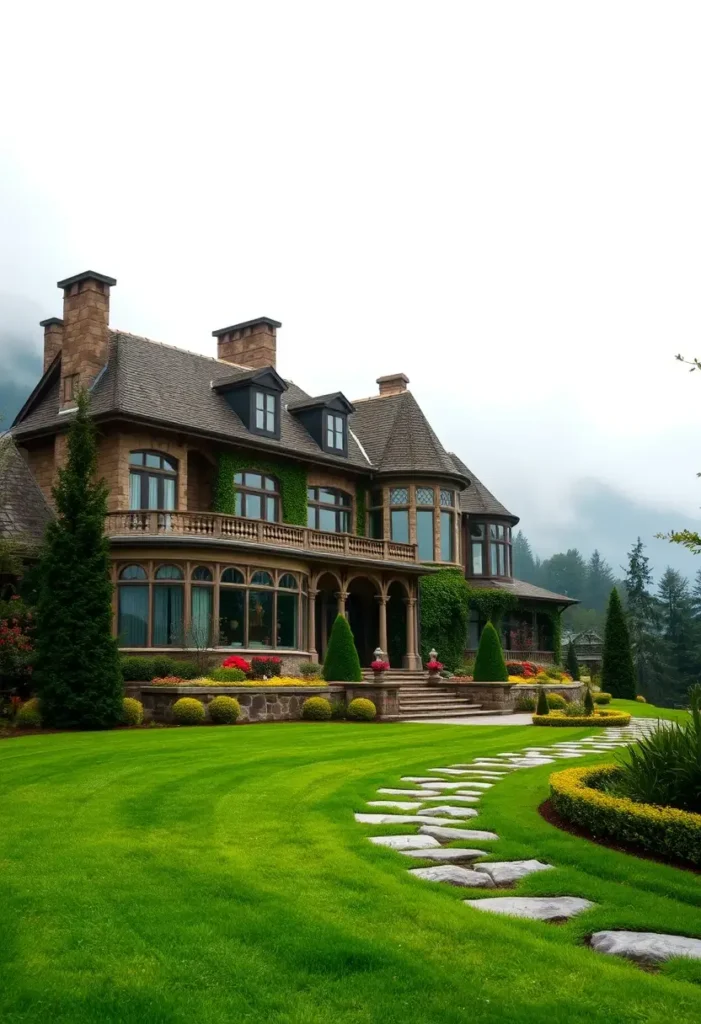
[[641, 615], [78, 675], [617, 670]]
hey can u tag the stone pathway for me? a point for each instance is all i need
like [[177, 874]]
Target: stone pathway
[[446, 823]]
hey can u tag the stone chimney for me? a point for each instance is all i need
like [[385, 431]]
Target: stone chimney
[[86, 314], [251, 344], [393, 384], [53, 339]]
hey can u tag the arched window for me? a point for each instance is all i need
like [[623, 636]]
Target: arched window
[[262, 578], [168, 595], [328, 509], [232, 576], [202, 573], [257, 496], [153, 481], [288, 581], [260, 614], [132, 607]]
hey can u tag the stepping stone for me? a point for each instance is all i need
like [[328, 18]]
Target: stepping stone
[[455, 812], [456, 799], [445, 853], [401, 805], [510, 753], [447, 835], [467, 784], [533, 762], [474, 834], [404, 842], [435, 784], [402, 792], [402, 819], [487, 775], [535, 908], [646, 947], [447, 771], [419, 778], [506, 871], [471, 770], [454, 875]]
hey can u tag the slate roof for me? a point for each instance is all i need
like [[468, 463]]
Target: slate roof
[[24, 511], [519, 588], [477, 500], [399, 439]]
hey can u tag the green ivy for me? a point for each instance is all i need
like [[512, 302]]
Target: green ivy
[[360, 510], [292, 480], [492, 604], [556, 619], [444, 610]]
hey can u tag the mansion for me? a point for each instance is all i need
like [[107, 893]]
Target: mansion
[[245, 514]]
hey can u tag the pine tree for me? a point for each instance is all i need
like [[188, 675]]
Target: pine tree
[[342, 664], [77, 669], [490, 666], [617, 670], [565, 574], [526, 566], [676, 665], [572, 665], [641, 615], [599, 580]]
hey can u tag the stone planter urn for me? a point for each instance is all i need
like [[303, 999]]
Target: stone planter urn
[[434, 667], [379, 666]]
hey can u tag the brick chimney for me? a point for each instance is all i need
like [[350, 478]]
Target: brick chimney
[[251, 344], [393, 384], [53, 339], [86, 313]]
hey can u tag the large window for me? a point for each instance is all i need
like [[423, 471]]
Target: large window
[[201, 605], [259, 611], [328, 509], [257, 496], [376, 515], [132, 624], [153, 479], [168, 605], [490, 549], [399, 514]]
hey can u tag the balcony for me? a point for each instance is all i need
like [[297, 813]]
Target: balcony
[[216, 526], [540, 657]]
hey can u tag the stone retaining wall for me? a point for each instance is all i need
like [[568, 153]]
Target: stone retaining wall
[[570, 691]]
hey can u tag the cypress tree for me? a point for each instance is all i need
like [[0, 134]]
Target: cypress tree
[[588, 702], [542, 707], [79, 679], [572, 665], [617, 670], [490, 666], [342, 664]]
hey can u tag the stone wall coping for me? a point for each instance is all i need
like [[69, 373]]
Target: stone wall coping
[[468, 682], [227, 690]]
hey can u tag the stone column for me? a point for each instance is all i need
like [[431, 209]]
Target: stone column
[[382, 600], [341, 596], [311, 639], [411, 659]]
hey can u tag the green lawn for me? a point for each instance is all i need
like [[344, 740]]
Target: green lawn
[[649, 710], [217, 875]]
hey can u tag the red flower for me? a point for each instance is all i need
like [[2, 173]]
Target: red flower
[[236, 661], [379, 666], [434, 666]]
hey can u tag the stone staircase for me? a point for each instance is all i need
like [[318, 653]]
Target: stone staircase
[[418, 700]]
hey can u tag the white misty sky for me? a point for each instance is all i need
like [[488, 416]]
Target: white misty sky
[[501, 200]]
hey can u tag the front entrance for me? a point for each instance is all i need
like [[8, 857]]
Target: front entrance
[[363, 613]]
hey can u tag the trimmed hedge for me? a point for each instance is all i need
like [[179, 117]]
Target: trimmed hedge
[[602, 698], [132, 711], [226, 675], [316, 709], [557, 718], [661, 830], [342, 664], [361, 710], [224, 710], [137, 669], [188, 711], [29, 714]]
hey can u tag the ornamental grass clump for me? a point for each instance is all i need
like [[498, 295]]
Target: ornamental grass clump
[[188, 711], [542, 707], [132, 711], [665, 767], [316, 709], [224, 710], [361, 710], [490, 666], [342, 664]]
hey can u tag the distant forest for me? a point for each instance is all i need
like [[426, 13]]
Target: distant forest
[[664, 622]]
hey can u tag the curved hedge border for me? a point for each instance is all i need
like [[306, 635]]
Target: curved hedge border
[[613, 718], [661, 830]]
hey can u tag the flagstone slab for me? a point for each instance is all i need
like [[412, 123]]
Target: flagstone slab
[[404, 842], [445, 853], [402, 792], [535, 908], [468, 784], [419, 778], [646, 947], [437, 784], [448, 771], [401, 805], [452, 874], [475, 799], [503, 872], [474, 834], [402, 819], [454, 812], [446, 834]]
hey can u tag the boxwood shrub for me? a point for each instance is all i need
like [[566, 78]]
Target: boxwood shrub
[[601, 697], [361, 710], [227, 675], [557, 719], [316, 709], [137, 669], [556, 701], [132, 711], [188, 711], [666, 831], [224, 710]]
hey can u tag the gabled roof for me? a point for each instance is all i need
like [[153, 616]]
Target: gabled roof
[[519, 588], [266, 376], [336, 400], [399, 439], [477, 500], [24, 511]]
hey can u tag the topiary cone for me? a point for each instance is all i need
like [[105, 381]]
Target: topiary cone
[[342, 664], [542, 707], [490, 666], [588, 702], [572, 665]]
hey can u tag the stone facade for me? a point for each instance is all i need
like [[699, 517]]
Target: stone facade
[[258, 704]]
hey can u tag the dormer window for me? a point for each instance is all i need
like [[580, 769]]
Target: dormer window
[[335, 431], [266, 412]]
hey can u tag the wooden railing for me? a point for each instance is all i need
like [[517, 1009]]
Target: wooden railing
[[217, 526]]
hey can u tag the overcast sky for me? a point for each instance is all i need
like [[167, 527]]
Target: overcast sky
[[502, 200]]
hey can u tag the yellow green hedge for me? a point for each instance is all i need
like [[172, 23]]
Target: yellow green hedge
[[555, 718], [662, 830]]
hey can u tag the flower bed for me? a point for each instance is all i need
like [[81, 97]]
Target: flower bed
[[601, 718], [661, 830]]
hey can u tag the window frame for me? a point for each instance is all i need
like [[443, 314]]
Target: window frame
[[495, 545], [332, 419], [145, 473], [318, 506], [267, 393], [246, 490]]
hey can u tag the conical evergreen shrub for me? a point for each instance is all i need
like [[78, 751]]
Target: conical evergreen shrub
[[342, 664], [617, 669], [490, 666], [78, 674], [572, 665], [588, 701], [542, 707]]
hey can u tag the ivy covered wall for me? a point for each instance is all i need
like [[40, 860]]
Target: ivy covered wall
[[292, 478]]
